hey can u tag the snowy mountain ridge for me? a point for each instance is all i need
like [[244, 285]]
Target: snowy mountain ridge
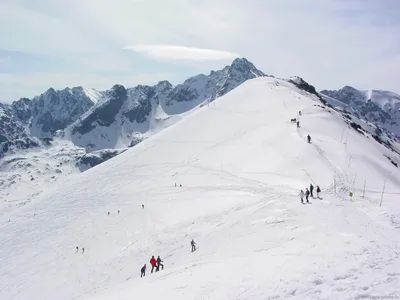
[[228, 176], [122, 111], [36, 134], [379, 107]]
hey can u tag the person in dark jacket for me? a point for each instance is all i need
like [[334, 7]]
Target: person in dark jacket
[[307, 194], [143, 271], [159, 263], [311, 190], [318, 191], [153, 263], [193, 245], [309, 139]]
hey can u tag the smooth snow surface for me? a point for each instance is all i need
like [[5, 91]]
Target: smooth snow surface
[[241, 164]]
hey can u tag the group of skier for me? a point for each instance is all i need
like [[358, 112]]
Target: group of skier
[[157, 263], [309, 193]]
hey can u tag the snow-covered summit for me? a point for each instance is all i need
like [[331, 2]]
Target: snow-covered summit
[[241, 165]]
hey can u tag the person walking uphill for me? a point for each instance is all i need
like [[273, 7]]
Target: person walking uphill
[[307, 194], [193, 245], [311, 190], [153, 263], [301, 196], [318, 191], [159, 263], [143, 271]]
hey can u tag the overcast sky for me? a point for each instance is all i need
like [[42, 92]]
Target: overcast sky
[[97, 43]]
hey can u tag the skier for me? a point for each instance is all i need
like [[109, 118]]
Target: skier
[[143, 271], [307, 194], [83, 250], [311, 190], [299, 112], [193, 245], [77, 249], [309, 139], [298, 124], [301, 195], [318, 191], [118, 212], [159, 263], [108, 213], [143, 206], [153, 263]]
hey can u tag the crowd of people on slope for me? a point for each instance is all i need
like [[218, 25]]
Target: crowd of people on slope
[[157, 263], [309, 193]]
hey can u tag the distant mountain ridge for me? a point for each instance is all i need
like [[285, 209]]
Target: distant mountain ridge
[[379, 107], [121, 112], [109, 119]]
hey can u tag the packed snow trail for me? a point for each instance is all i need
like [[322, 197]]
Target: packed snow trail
[[241, 164]]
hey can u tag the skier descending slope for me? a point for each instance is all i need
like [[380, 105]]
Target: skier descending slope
[[311, 190], [309, 139], [153, 263]]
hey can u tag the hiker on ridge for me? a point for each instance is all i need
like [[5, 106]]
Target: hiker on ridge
[[143, 271], [159, 263], [193, 245], [318, 191], [301, 195], [307, 194], [153, 263]]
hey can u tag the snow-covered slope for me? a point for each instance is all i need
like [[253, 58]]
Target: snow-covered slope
[[26, 174], [123, 113], [379, 107], [241, 164]]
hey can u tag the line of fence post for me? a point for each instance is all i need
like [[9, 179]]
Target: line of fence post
[[365, 182], [383, 191]]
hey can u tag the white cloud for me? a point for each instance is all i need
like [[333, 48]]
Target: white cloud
[[330, 43], [171, 52]]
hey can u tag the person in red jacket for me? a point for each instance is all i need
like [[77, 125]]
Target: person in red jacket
[[153, 263]]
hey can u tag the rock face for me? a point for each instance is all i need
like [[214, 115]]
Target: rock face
[[53, 110], [121, 112], [381, 108], [95, 158], [13, 135]]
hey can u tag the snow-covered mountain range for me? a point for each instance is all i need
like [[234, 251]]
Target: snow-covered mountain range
[[69, 131], [90, 126], [228, 176], [379, 107], [121, 113]]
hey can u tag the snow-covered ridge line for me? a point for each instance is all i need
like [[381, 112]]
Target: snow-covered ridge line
[[227, 176]]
